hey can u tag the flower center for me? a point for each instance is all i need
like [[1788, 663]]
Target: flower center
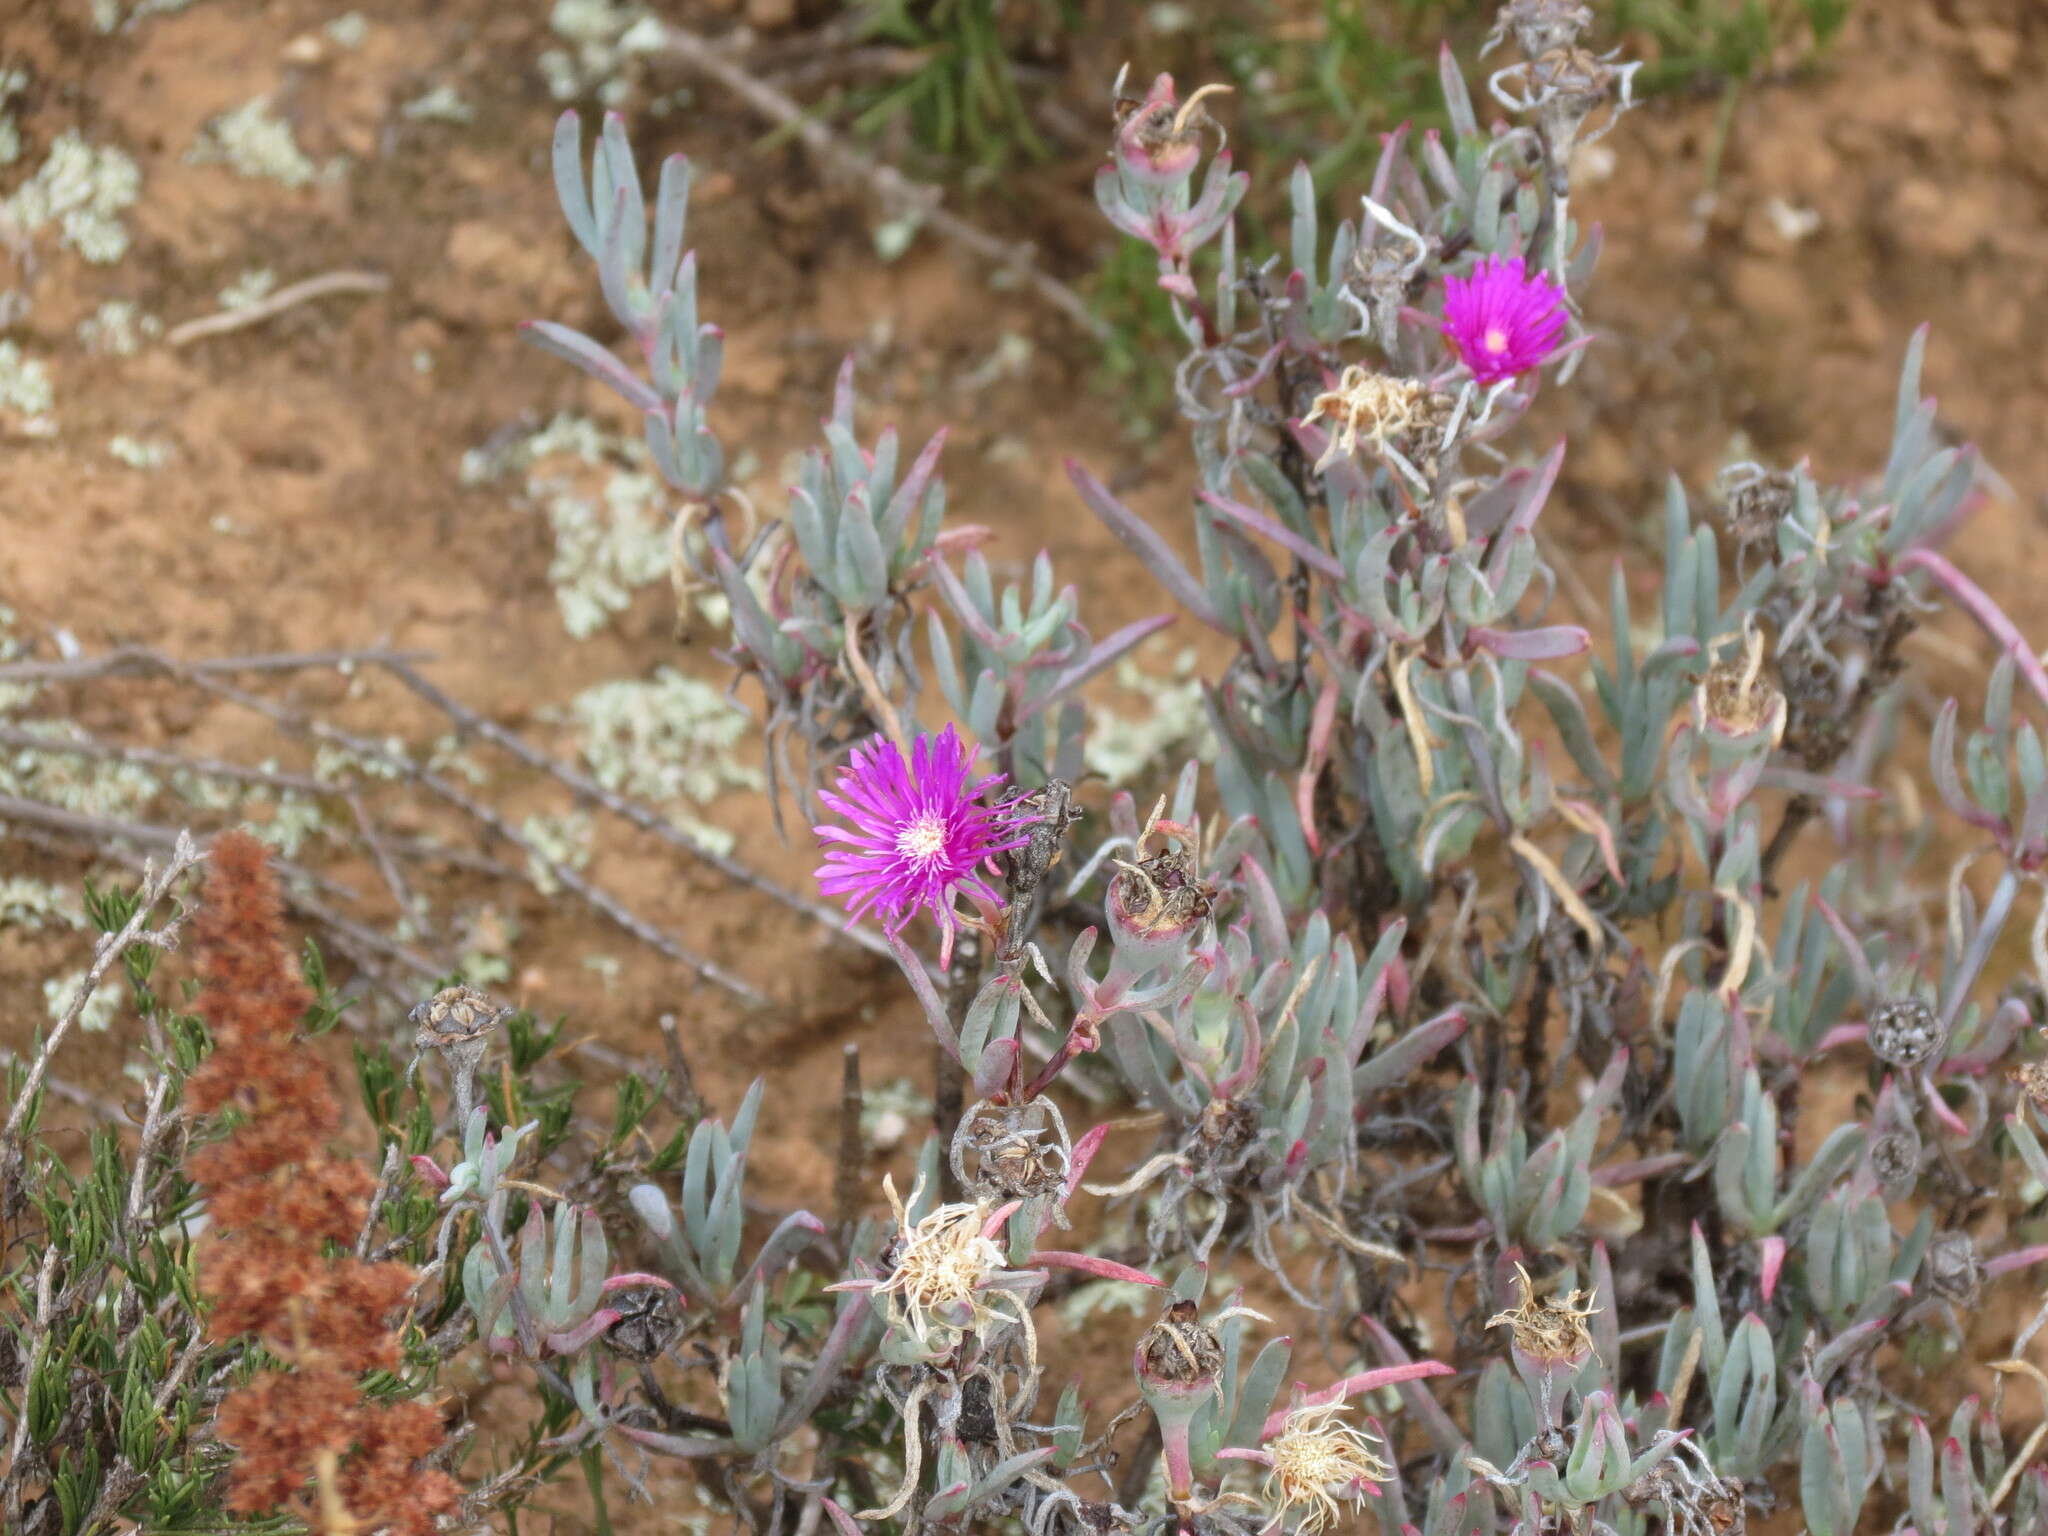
[[923, 839], [1496, 339]]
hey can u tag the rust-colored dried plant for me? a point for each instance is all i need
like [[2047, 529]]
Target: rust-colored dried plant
[[277, 1265]]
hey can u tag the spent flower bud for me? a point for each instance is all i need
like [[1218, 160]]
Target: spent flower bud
[[1159, 139], [1179, 1365], [1156, 905], [1538, 26], [1734, 704], [1952, 1269]]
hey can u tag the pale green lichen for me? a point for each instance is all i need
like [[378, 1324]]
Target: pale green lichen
[[604, 505], [484, 946], [252, 287], [24, 382], [12, 83], [451, 754], [253, 141], [672, 740], [118, 328], [140, 452], [439, 104], [605, 549], [72, 782], [1173, 727], [334, 764], [33, 904], [100, 1009], [82, 189], [348, 30], [205, 792], [602, 38], [106, 14], [1102, 1298], [556, 842], [292, 821]]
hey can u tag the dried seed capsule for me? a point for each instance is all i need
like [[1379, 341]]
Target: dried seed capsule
[[1895, 1159], [455, 1018], [1044, 814], [1178, 1363], [650, 1318], [1952, 1269], [1904, 1032], [1158, 140], [458, 1022], [977, 1422]]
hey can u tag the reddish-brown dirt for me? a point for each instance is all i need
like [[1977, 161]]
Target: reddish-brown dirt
[[314, 500]]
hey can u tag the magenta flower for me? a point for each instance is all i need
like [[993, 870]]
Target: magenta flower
[[919, 831], [1502, 319]]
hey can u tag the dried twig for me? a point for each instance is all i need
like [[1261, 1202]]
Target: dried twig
[[848, 1178], [469, 722], [276, 304], [896, 190], [105, 833], [141, 661], [435, 784], [682, 1093], [156, 757]]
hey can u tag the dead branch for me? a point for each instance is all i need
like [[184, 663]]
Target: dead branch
[[896, 191], [276, 304]]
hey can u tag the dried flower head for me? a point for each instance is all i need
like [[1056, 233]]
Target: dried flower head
[[1158, 138], [1011, 1158], [1572, 81], [1754, 500], [1816, 726], [1388, 415], [1320, 1465], [1734, 700], [943, 1270], [1904, 1032], [1180, 1350], [1502, 319], [2032, 1078], [1541, 25], [1161, 893], [919, 831], [1156, 902], [1552, 1330]]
